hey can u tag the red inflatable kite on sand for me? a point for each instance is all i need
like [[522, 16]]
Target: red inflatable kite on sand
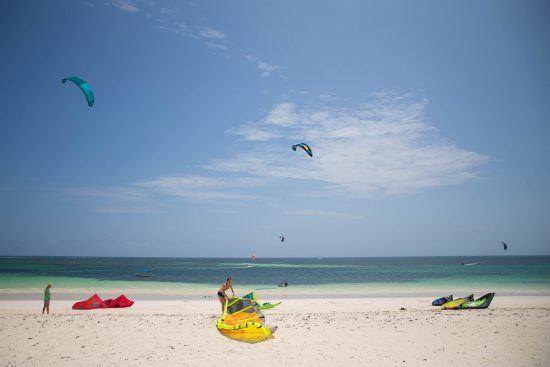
[[119, 302], [96, 302]]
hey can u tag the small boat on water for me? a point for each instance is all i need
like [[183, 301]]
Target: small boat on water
[[144, 273]]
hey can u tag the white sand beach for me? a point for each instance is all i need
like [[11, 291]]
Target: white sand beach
[[514, 331]]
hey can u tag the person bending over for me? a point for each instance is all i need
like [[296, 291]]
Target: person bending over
[[224, 287]]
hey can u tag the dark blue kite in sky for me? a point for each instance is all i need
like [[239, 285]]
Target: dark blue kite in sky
[[305, 147]]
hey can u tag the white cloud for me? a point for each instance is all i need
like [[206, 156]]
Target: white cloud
[[381, 148], [253, 131], [116, 200], [147, 196], [115, 193], [225, 211], [207, 32], [265, 68], [219, 46], [324, 213], [202, 187], [125, 5], [282, 115], [169, 11], [208, 36], [329, 97]]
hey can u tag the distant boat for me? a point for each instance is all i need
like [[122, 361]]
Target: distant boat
[[144, 273]]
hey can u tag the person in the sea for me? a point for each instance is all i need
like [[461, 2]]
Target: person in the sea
[[47, 297], [224, 287]]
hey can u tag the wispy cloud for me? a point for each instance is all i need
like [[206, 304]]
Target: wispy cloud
[[282, 115], [210, 37], [146, 196], [124, 5], [167, 19], [117, 193], [201, 187], [266, 69], [116, 200], [382, 147], [329, 97], [207, 32], [254, 132], [169, 11], [219, 46], [324, 213]]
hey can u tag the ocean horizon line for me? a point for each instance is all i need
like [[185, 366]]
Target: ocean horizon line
[[267, 257]]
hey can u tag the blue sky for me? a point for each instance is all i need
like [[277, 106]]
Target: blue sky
[[429, 124]]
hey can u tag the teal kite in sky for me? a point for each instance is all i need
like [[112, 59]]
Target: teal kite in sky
[[84, 87], [305, 147]]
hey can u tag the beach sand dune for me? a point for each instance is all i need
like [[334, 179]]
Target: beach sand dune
[[348, 332]]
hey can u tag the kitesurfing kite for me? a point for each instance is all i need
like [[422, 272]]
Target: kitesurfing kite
[[84, 87], [504, 245], [282, 238], [305, 147], [243, 320]]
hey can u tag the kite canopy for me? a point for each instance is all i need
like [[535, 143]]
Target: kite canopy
[[261, 306], [504, 245], [120, 302], [242, 320], [84, 87], [93, 302], [455, 304], [305, 147], [441, 301], [96, 302], [480, 303]]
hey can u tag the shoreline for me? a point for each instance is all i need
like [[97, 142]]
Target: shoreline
[[162, 295]]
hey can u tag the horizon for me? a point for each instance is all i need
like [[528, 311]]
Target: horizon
[[428, 125], [270, 258]]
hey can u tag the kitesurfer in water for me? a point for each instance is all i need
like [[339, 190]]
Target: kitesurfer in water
[[224, 287]]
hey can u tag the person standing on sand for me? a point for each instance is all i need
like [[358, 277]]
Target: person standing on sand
[[224, 287], [47, 297]]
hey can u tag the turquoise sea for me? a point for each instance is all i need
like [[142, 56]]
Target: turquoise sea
[[494, 272]]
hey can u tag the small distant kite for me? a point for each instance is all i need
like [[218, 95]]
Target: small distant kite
[[504, 245], [305, 147], [84, 87], [282, 238]]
